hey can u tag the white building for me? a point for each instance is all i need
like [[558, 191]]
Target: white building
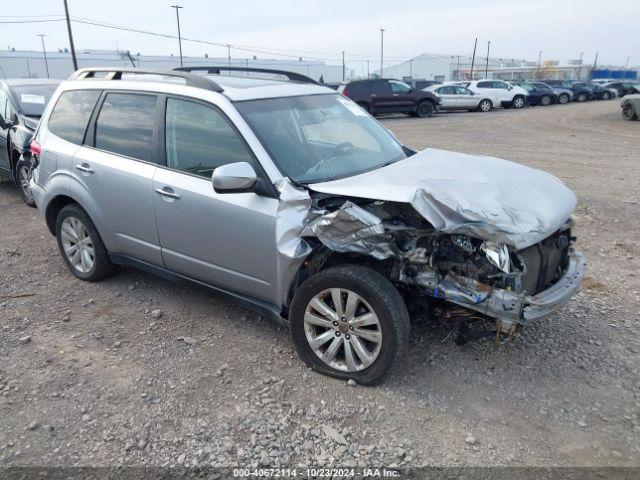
[[29, 64], [441, 68]]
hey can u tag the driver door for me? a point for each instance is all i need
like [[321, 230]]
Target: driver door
[[6, 113], [222, 239]]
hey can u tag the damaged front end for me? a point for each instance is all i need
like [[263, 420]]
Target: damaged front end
[[490, 277]]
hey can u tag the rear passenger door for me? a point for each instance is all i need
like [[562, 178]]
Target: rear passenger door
[[116, 165], [382, 98], [222, 239]]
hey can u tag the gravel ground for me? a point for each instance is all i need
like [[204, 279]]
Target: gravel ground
[[139, 371]]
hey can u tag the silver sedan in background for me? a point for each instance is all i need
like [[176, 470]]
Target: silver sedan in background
[[457, 97]]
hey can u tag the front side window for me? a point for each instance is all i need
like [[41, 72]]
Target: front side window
[[462, 91], [125, 125], [317, 138], [399, 87], [5, 106], [446, 91], [199, 139], [71, 114]]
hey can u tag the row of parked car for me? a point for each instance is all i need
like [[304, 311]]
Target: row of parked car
[[423, 98]]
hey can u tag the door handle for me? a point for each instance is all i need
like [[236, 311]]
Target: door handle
[[84, 167], [168, 192]]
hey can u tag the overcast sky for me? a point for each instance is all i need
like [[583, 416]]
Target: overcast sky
[[322, 29]]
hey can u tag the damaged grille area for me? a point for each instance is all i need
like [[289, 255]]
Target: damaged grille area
[[485, 275]]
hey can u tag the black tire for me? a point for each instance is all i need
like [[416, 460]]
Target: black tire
[[518, 102], [485, 105], [545, 100], [22, 178], [425, 109], [629, 111], [606, 96], [563, 98], [102, 266], [582, 97], [383, 298]]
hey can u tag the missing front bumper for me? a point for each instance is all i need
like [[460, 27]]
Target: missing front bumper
[[510, 308]]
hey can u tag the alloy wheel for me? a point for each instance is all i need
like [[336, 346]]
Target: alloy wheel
[[343, 330], [518, 102], [485, 105], [77, 244], [24, 178]]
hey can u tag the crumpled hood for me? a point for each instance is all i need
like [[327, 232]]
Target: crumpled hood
[[483, 197]]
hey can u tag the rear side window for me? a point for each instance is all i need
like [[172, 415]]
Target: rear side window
[[485, 84], [380, 88], [71, 114], [199, 139], [125, 125]]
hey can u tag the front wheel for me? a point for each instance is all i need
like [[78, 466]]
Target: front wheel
[[545, 100], [485, 105], [629, 111], [23, 180], [425, 109], [518, 102], [349, 322], [563, 98]]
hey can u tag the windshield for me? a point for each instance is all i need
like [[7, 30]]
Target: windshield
[[33, 98], [317, 138]]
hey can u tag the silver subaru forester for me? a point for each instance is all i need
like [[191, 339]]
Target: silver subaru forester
[[280, 192]]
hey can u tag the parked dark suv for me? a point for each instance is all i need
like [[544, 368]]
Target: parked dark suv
[[390, 96], [581, 93], [21, 105]]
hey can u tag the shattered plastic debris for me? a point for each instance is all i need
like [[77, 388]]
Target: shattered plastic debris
[[353, 229], [293, 210]]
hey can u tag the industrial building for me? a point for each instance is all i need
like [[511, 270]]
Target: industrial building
[[29, 64]]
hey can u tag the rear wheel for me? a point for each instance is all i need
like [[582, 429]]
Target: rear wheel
[[425, 109], [349, 322], [81, 246], [485, 105], [23, 180], [518, 101], [563, 98], [629, 111], [545, 100]]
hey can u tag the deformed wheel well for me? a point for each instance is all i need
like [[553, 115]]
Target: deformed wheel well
[[54, 208]]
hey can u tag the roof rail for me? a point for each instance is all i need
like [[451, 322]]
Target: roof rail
[[291, 76], [115, 73]]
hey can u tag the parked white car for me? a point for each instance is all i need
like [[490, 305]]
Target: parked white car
[[457, 97], [508, 95]]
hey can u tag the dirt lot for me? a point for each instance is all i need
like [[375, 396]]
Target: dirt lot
[[137, 370]]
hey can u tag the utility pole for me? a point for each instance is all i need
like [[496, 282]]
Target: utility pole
[[178, 7], [44, 51], [411, 68], [626, 65], [539, 63], [343, 66], [73, 48], [486, 67], [458, 70], [473, 59], [382, 30], [229, 54], [368, 74], [580, 65], [595, 61]]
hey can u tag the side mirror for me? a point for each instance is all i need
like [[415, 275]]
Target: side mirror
[[234, 178], [509, 87]]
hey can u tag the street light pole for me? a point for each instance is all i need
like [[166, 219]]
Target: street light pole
[[595, 61], [73, 48], [343, 66], [178, 7], [486, 66], [473, 58], [382, 30], [229, 54], [368, 74], [411, 68], [580, 65], [44, 51]]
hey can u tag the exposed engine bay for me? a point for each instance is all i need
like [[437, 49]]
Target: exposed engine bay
[[486, 276]]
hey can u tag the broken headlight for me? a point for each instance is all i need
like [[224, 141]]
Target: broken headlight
[[497, 254]]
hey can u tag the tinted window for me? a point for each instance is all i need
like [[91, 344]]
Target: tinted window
[[485, 84], [71, 114], [5, 106], [199, 139], [446, 91], [380, 88], [125, 125], [500, 85], [357, 88], [462, 91]]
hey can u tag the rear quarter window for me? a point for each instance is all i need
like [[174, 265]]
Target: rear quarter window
[[71, 114]]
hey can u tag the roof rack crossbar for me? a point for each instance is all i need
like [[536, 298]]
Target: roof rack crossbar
[[115, 73], [291, 76]]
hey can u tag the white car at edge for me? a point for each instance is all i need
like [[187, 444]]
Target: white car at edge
[[508, 95]]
